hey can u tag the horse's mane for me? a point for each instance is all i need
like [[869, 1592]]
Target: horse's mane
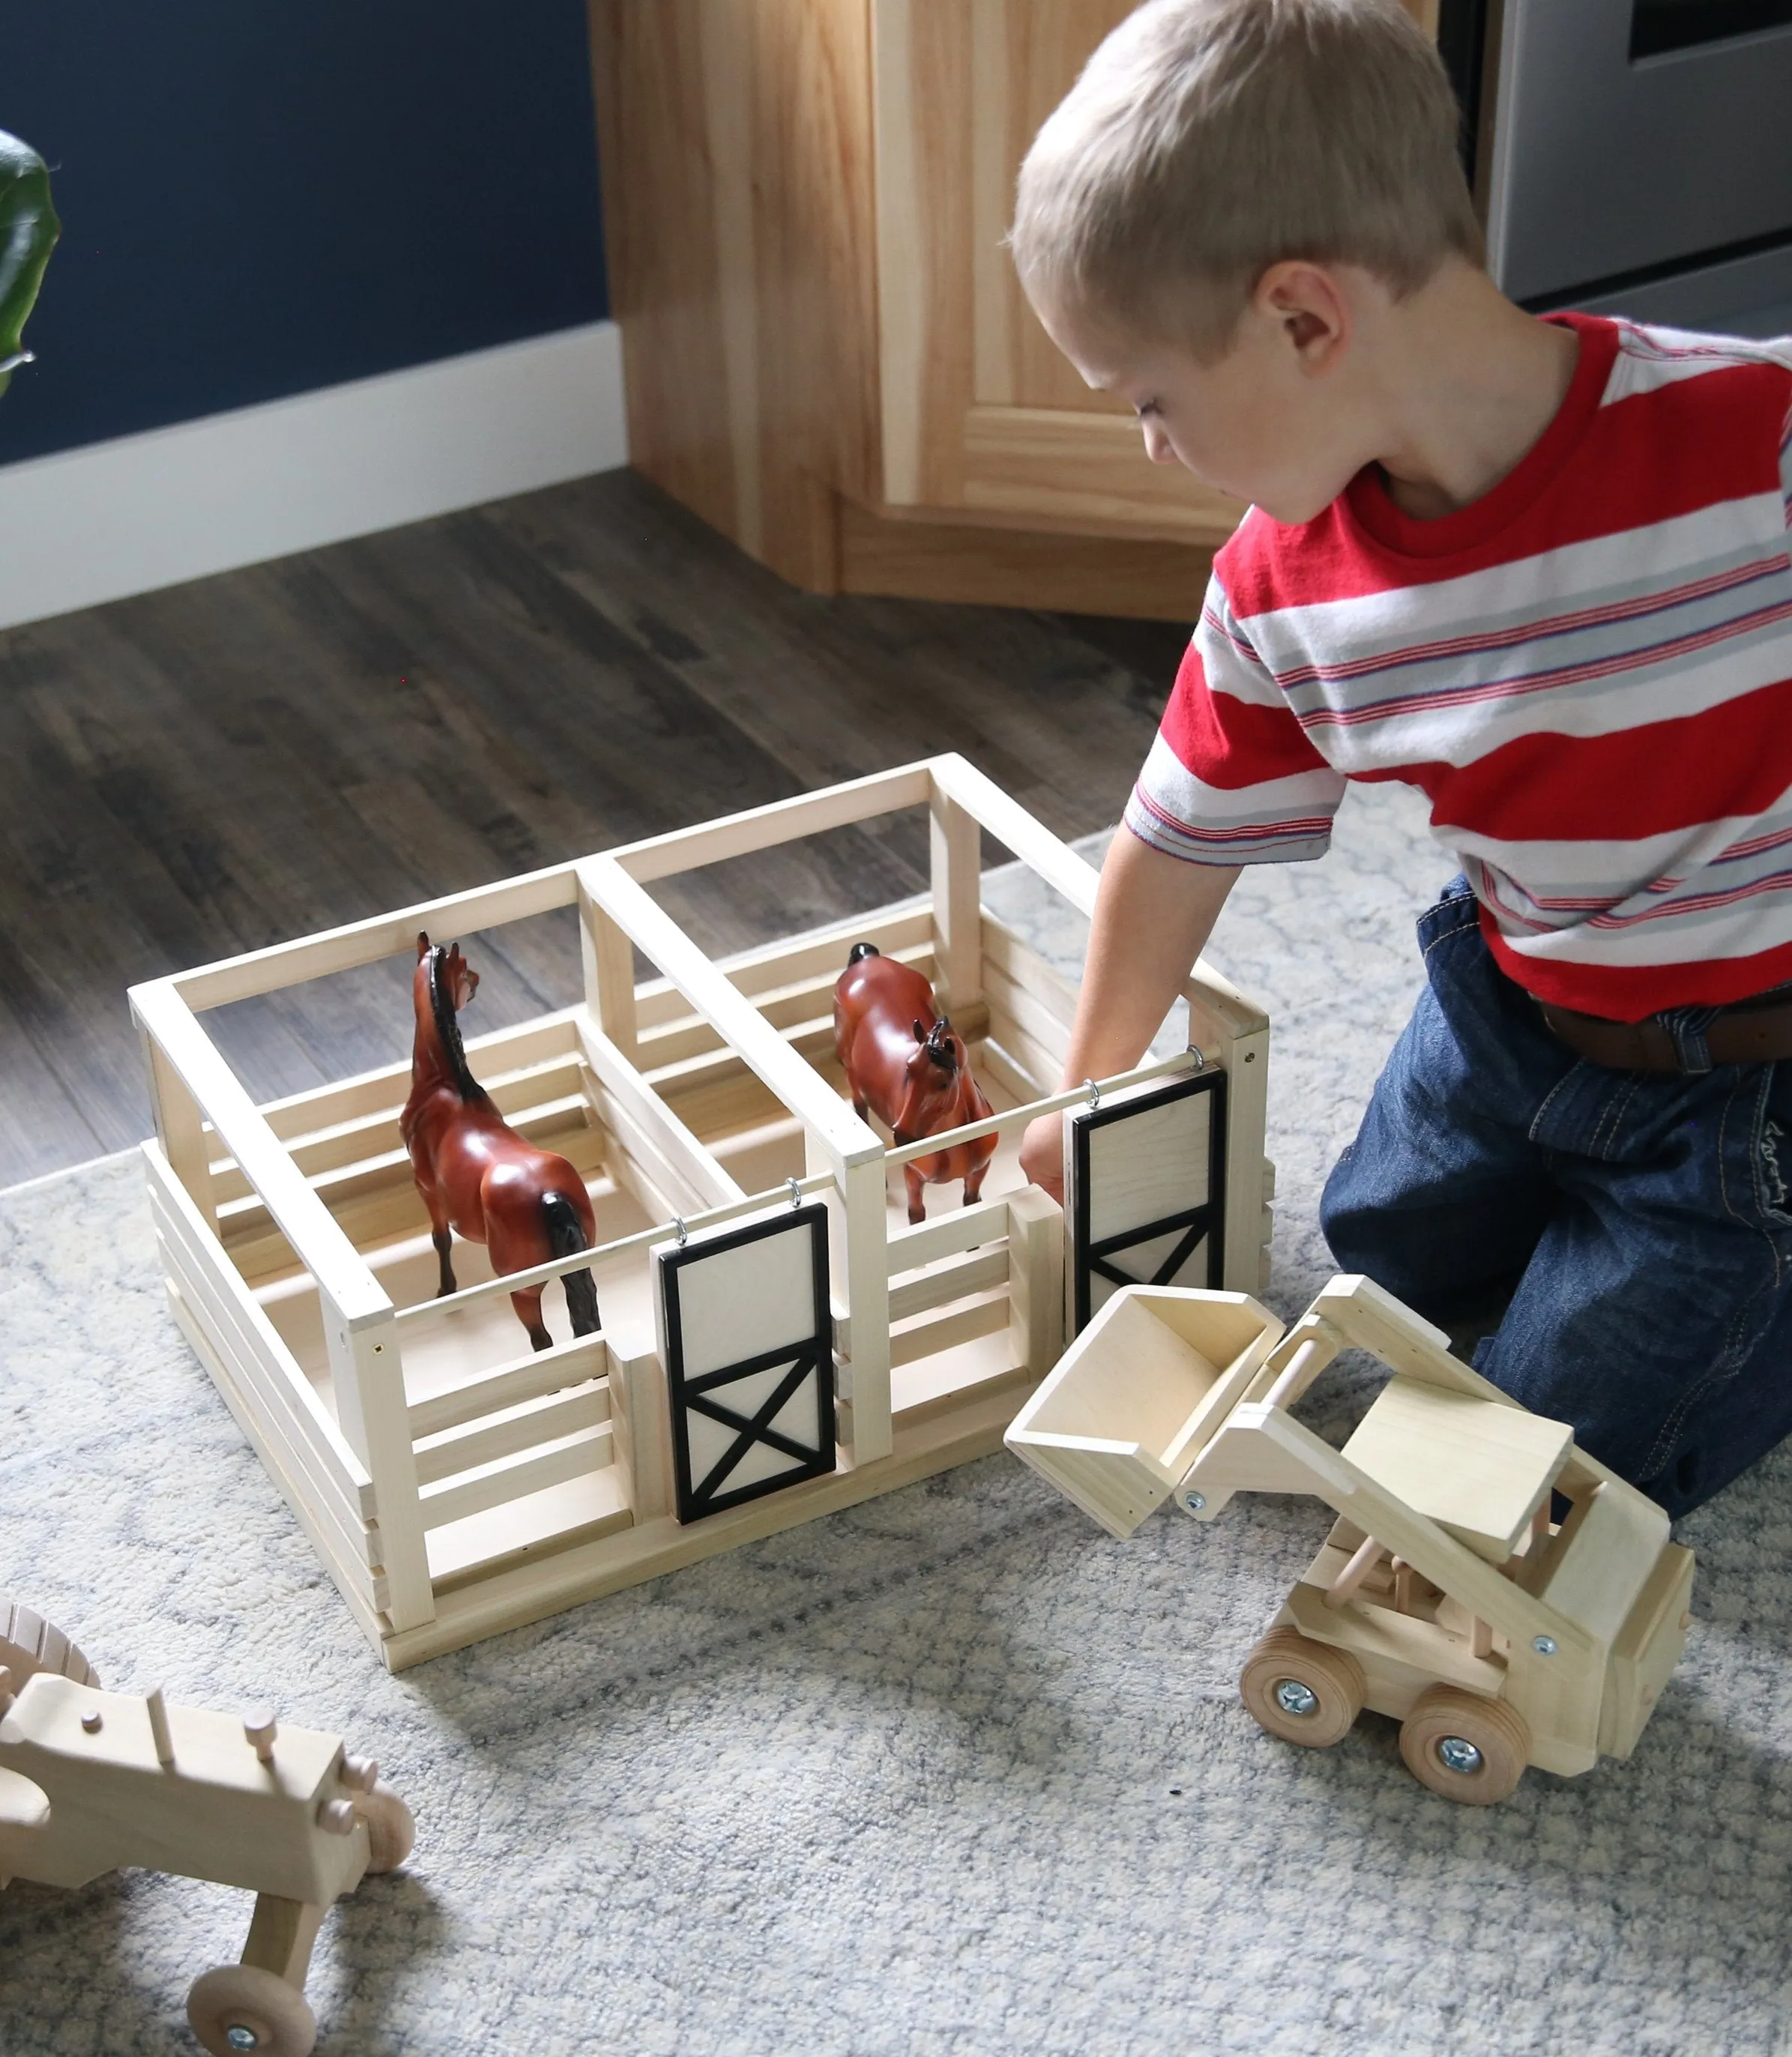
[[448, 1027]]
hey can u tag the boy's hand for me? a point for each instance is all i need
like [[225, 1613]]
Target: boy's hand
[[1042, 1155], [1153, 914]]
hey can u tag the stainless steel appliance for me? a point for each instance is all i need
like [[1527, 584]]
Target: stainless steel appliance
[[1634, 156]]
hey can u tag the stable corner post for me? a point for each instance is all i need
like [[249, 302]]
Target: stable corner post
[[368, 1373], [179, 1126]]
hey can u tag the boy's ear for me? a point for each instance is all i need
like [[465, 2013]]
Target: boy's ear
[[1308, 303]]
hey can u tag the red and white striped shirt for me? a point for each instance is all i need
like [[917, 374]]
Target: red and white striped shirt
[[1588, 672]]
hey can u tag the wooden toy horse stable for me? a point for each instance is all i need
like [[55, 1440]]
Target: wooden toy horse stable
[[778, 1341]]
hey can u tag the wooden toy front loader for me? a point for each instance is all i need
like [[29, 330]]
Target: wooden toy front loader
[[1447, 1594]]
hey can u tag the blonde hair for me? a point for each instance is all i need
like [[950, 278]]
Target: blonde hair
[[1208, 139]]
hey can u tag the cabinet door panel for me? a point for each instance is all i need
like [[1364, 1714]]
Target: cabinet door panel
[[980, 413]]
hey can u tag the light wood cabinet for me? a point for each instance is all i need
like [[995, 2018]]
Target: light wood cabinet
[[980, 415], [827, 353]]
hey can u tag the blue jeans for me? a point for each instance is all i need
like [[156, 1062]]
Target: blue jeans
[[1640, 1221]]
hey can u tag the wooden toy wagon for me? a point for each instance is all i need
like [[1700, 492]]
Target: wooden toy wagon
[[776, 1340], [91, 1782], [1506, 1599]]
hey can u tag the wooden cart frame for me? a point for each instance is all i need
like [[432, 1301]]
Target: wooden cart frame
[[288, 1230]]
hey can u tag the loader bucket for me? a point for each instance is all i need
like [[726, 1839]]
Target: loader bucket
[[1133, 1401]]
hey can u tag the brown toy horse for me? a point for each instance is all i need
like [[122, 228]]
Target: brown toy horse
[[917, 1078], [475, 1173]]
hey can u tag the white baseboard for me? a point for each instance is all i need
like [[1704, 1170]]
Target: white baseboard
[[89, 525]]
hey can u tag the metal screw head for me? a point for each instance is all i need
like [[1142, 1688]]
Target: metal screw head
[[1457, 1754], [239, 2037], [1294, 1698], [1193, 1501], [1544, 1646]]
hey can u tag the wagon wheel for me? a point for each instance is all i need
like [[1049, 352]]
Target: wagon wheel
[[240, 2007], [1464, 1745], [390, 1829], [1303, 1692], [30, 1644]]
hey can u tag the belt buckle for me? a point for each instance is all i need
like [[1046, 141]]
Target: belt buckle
[[1686, 1027]]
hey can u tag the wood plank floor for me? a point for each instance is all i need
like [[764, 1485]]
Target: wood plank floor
[[241, 760]]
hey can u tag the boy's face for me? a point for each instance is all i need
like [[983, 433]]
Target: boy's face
[[1269, 422]]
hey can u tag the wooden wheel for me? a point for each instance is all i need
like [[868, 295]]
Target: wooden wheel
[[390, 1829], [28, 1644], [1464, 1745], [239, 2007], [1301, 1690]]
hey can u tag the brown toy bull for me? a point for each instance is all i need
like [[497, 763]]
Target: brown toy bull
[[917, 1078]]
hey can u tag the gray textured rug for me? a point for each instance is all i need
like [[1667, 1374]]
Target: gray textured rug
[[951, 1772]]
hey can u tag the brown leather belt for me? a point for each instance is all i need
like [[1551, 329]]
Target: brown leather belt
[[1751, 1032]]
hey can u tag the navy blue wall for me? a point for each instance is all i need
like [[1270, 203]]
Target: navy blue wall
[[260, 196]]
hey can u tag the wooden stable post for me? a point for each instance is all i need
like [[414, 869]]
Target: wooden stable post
[[1036, 1279], [180, 1128], [368, 1373], [640, 1417], [608, 957], [861, 1179], [956, 846]]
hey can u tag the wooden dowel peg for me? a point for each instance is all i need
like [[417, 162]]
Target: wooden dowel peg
[[1368, 1553], [158, 1725], [360, 1774], [1285, 1388], [261, 1728]]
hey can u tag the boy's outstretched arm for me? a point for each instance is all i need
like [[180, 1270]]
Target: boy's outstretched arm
[[1153, 915]]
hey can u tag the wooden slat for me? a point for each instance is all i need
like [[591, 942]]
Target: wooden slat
[[266, 1364], [740, 1022], [903, 926], [347, 1141], [303, 1219], [975, 1272], [529, 1426], [352, 1540], [502, 1053], [510, 1478], [1023, 966], [382, 936], [349, 1179], [945, 1332], [761, 828], [1033, 1061], [1003, 1071], [628, 1104], [801, 1005], [1009, 1003], [525, 1378], [926, 1242], [365, 1590]]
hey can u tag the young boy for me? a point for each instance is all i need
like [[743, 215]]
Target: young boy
[[1538, 568]]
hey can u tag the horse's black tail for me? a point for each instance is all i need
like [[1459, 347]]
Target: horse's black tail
[[566, 1233], [862, 950]]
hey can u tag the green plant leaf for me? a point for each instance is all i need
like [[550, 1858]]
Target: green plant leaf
[[28, 233]]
